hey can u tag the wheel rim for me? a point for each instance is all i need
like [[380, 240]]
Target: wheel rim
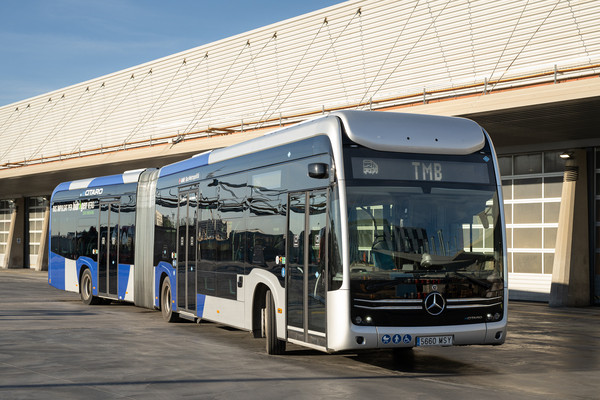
[[87, 287], [167, 300]]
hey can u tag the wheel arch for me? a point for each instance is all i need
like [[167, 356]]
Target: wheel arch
[[161, 280], [80, 276], [258, 304]]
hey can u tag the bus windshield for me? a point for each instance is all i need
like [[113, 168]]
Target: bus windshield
[[424, 231]]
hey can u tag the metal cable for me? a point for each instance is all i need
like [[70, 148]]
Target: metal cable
[[141, 123], [291, 74], [579, 32], [102, 113], [337, 63], [27, 129], [508, 41], [189, 127], [411, 49], [526, 44], [247, 45], [388, 56], [311, 69]]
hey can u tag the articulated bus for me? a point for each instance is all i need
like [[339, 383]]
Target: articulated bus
[[355, 230]]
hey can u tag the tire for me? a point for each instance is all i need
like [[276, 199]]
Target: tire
[[274, 345], [166, 302], [86, 289]]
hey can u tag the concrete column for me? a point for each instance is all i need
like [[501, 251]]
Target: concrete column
[[42, 259], [570, 273], [9, 240], [16, 239]]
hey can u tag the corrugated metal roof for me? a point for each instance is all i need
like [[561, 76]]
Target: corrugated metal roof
[[336, 57]]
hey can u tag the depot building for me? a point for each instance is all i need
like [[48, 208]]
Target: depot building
[[527, 71]]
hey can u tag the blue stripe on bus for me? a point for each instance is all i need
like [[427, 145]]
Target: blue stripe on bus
[[56, 271], [124, 277], [106, 180], [200, 300], [93, 267], [184, 165], [62, 186], [164, 267]]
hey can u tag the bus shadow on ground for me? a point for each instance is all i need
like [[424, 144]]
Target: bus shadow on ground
[[418, 362], [415, 361]]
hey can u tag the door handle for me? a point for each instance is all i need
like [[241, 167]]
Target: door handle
[[240, 282]]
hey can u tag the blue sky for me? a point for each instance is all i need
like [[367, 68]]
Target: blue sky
[[49, 44]]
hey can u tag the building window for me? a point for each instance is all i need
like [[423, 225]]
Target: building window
[[35, 211], [532, 186], [5, 217]]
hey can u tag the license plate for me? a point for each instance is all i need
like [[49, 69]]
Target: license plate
[[434, 341]]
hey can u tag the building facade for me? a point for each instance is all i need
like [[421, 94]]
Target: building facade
[[525, 70]]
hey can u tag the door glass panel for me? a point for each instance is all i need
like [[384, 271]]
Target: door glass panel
[[182, 251], [317, 223], [295, 260], [191, 250], [306, 263], [103, 240], [186, 251], [113, 249], [108, 248]]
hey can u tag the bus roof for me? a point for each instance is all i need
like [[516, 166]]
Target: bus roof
[[126, 177], [384, 131], [412, 133]]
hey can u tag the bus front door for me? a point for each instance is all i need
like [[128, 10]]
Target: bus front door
[[108, 245], [306, 266], [187, 250]]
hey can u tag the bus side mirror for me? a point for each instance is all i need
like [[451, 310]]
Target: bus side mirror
[[318, 170]]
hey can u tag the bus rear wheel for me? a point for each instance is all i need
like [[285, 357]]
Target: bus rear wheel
[[166, 302], [274, 345], [86, 289]]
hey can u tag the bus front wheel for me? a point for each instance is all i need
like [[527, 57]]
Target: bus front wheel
[[274, 345], [86, 289]]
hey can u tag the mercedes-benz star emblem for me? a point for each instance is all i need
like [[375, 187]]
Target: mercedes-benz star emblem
[[435, 303]]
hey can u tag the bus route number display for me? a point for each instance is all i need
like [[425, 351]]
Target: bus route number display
[[419, 170]]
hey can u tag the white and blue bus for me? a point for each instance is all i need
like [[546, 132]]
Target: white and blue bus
[[355, 230]]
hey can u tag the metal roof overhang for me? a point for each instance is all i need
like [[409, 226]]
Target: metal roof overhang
[[542, 122]]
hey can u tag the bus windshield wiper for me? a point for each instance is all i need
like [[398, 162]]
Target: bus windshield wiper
[[470, 278]]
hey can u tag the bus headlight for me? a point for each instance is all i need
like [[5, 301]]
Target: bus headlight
[[358, 320]]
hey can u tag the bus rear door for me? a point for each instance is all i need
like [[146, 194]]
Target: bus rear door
[[108, 254], [187, 250]]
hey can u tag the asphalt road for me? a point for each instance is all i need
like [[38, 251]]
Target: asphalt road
[[54, 347]]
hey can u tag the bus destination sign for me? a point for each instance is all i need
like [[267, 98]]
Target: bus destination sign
[[420, 170]]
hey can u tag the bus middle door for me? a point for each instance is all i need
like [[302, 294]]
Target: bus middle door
[[108, 254], [306, 267], [187, 249]]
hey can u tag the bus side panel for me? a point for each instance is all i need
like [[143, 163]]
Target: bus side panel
[[225, 311], [125, 289], [62, 273], [200, 302], [56, 271], [71, 277]]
